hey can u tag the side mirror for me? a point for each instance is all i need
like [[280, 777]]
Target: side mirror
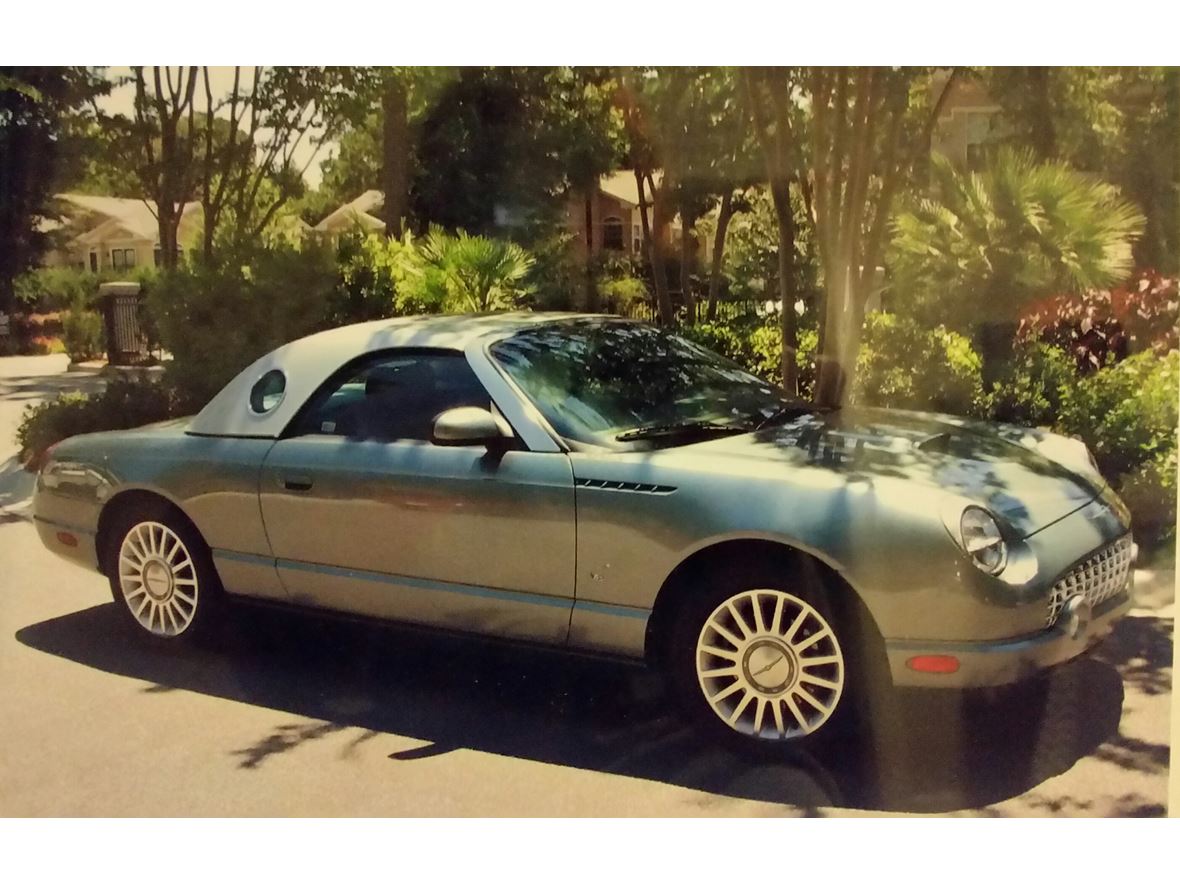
[[470, 426]]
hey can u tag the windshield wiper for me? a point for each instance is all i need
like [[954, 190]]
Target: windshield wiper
[[653, 431]]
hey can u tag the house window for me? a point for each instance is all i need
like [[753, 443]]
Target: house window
[[612, 234], [122, 259], [94, 262]]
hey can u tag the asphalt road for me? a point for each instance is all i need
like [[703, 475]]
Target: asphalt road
[[292, 715]]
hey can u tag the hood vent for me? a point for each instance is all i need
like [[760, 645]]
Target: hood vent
[[617, 486]]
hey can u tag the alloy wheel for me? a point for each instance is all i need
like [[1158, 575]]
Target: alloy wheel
[[158, 579], [769, 665]]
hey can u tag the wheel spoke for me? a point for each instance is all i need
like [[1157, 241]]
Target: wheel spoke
[[177, 569], [759, 714], [171, 617], [731, 670], [720, 652], [191, 600], [740, 708], [776, 621], [759, 627], [739, 621], [730, 637], [812, 639], [734, 686], [777, 709], [131, 594], [795, 625], [815, 680], [807, 696], [819, 661], [799, 717]]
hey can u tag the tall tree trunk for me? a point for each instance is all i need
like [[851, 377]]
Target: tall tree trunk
[[661, 221], [687, 256], [1044, 135], [724, 214], [395, 153], [591, 299], [780, 192], [843, 323]]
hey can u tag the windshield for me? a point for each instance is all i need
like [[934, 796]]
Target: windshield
[[598, 380]]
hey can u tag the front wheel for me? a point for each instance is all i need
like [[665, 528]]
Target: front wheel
[[162, 575], [766, 663]]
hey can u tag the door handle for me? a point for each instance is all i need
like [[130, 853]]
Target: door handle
[[297, 483]]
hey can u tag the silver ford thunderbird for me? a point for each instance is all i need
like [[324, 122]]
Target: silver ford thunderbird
[[606, 486]]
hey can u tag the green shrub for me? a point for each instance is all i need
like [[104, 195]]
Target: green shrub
[[216, 320], [558, 276], [122, 404], [1126, 413], [82, 334], [1030, 387], [904, 366], [47, 289], [622, 294], [756, 344], [370, 268], [721, 339], [1150, 492]]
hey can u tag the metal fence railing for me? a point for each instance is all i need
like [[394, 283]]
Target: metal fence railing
[[726, 311]]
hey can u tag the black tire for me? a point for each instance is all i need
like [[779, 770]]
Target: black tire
[[865, 690], [208, 606]]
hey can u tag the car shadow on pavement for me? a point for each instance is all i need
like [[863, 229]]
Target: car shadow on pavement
[[949, 750]]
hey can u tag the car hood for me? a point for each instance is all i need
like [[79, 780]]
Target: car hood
[[1029, 477]]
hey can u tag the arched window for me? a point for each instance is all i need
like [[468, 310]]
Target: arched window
[[612, 233]]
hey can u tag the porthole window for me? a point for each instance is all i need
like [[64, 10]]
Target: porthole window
[[267, 392]]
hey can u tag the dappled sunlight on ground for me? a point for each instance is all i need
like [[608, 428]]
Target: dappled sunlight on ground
[[1012, 753]]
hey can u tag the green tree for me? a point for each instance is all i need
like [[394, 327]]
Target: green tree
[[991, 241], [1120, 123], [40, 109]]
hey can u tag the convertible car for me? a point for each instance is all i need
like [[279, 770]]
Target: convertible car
[[599, 484]]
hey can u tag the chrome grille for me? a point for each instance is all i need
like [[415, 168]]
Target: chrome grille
[[1099, 578]]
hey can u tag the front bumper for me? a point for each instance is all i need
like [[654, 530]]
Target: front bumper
[[1002, 662]]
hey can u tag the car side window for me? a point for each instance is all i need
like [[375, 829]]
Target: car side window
[[394, 397]]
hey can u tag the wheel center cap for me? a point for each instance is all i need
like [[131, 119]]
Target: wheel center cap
[[157, 578], [769, 665]]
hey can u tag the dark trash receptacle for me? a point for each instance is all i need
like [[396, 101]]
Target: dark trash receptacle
[[119, 303]]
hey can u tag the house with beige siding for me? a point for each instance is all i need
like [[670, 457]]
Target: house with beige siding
[[114, 233], [613, 217], [968, 122]]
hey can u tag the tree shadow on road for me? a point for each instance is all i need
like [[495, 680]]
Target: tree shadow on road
[[950, 751]]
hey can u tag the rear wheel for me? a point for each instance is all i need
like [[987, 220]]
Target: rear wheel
[[162, 575]]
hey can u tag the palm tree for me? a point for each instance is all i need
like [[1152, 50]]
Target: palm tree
[[465, 273], [989, 242]]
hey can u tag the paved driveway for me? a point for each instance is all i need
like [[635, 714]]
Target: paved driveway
[[294, 715]]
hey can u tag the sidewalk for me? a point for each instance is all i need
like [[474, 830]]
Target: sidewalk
[[25, 381]]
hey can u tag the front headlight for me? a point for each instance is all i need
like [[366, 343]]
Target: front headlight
[[981, 537]]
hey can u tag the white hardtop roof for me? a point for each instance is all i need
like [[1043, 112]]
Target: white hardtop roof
[[307, 362]]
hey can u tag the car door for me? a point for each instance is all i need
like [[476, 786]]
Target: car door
[[365, 514]]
